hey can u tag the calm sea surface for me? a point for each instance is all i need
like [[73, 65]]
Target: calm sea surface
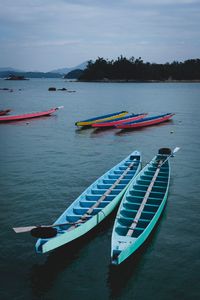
[[46, 163]]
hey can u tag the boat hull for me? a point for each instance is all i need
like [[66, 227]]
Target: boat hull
[[120, 121], [88, 198], [89, 122], [145, 122], [123, 245], [27, 116]]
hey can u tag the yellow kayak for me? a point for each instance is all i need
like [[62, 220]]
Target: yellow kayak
[[91, 121]]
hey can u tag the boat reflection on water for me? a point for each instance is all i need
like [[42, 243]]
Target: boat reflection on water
[[66, 258], [119, 276]]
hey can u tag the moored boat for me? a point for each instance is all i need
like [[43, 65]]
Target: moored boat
[[4, 112], [112, 123], [29, 115], [90, 208], [141, 207], [103, 118], [146, 121]]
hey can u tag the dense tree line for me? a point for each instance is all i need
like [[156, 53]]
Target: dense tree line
[[136, 69]]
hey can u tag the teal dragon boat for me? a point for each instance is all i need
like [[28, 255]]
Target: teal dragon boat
[[89, 209], [141, 207]]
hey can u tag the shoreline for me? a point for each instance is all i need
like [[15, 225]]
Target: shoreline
[[141, 81]]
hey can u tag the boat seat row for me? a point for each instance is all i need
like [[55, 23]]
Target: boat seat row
[[126, 222], [120, 172], [151, 174], [88, 204], [96, 197], [107, 186], [141, 225], [83, 210], [156, 183], [124, 230], [132, 213], [75, 217], [139, 187], [149, 177], [115, 176], [111, 181], [115, 191], [142, 193], [138, 200], [135, 206], [155, 167]]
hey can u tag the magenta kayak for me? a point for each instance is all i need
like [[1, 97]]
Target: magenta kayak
[[29, 115], [146, 121], [118, 121]]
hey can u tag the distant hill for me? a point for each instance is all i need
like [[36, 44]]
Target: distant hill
[[64, 71], [8, 69], [5, 74], [59, 73]]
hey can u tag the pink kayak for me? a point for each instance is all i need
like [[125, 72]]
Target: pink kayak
[[119, 121], [146, 121], [29, 115]]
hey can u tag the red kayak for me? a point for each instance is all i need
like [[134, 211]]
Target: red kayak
[[146, 121], [29, 116], [4, 112], [113, 123]]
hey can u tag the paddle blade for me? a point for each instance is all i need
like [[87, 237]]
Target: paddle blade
[[23, 229], [165, 151], [43, 232], [176, 149]]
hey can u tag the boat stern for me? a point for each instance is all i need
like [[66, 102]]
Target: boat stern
[[121, 249]]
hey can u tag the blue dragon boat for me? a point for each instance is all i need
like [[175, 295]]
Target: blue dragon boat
[[141, 207]]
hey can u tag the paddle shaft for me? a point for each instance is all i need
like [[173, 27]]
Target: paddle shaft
[[146, 196], [29, 228]]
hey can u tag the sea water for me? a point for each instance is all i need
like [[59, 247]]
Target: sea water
[[46, 163]]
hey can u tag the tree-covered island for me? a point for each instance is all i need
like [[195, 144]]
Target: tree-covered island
[[135, 69]]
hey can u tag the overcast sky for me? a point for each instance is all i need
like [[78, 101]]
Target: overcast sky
[[49, 34]]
